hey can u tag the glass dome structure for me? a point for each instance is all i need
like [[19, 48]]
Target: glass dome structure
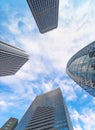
[[81, 68]]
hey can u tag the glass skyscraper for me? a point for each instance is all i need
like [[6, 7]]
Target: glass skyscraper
[[81, 68], [11, 59], [45, 13], [47, 112], [10, 124]]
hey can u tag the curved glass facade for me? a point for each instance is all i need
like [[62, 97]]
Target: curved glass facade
[[81, 68]]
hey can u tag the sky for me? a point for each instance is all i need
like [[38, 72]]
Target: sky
[[48, 57]]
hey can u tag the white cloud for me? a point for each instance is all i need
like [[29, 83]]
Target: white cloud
[[68, 90], [86, 117], [4, 105]]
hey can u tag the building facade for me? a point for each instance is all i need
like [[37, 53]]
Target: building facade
[[11, 59], [47, 112], [45, 13], [81, 68], [10, 124]]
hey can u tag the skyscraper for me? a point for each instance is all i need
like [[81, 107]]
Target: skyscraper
[[10, 124], [47, 112], [81, 68], [45, 13], [11, 59]]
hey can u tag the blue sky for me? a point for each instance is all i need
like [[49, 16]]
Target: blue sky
[[49, 54]]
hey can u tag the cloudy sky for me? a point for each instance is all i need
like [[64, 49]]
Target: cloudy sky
[[48, 54]]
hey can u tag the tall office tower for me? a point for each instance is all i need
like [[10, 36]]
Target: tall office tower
[[10, 124], [47, 112], [81, 68], [11, 59], [45, 13]]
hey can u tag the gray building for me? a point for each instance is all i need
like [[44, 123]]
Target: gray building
[[10, 124], [11, 59], [47, 112], [81, 68], [45, 13]]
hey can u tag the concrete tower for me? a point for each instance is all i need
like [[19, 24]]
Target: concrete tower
[[47, 112], [45, 13], [11, 59]]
